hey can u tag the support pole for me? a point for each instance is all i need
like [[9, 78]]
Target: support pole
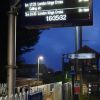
[[77, 38], [11, 61], [77, 30], [38, 70], [78, 45], [80, 35]]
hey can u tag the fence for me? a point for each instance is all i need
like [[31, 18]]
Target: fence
[[67, 95], [52, 91], [3, 88]]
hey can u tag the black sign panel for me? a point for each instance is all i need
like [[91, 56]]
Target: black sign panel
[[56, 13]]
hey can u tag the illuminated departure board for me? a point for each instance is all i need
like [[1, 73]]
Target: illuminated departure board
[[56, 13]]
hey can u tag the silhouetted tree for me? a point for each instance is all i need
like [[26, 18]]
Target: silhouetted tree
[[26, 39]]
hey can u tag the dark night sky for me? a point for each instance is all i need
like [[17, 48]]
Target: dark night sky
[[56, 41]]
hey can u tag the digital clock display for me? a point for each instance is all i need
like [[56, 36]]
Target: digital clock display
[[56, 18]]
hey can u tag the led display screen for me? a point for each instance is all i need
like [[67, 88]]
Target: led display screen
[[56, 13]]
